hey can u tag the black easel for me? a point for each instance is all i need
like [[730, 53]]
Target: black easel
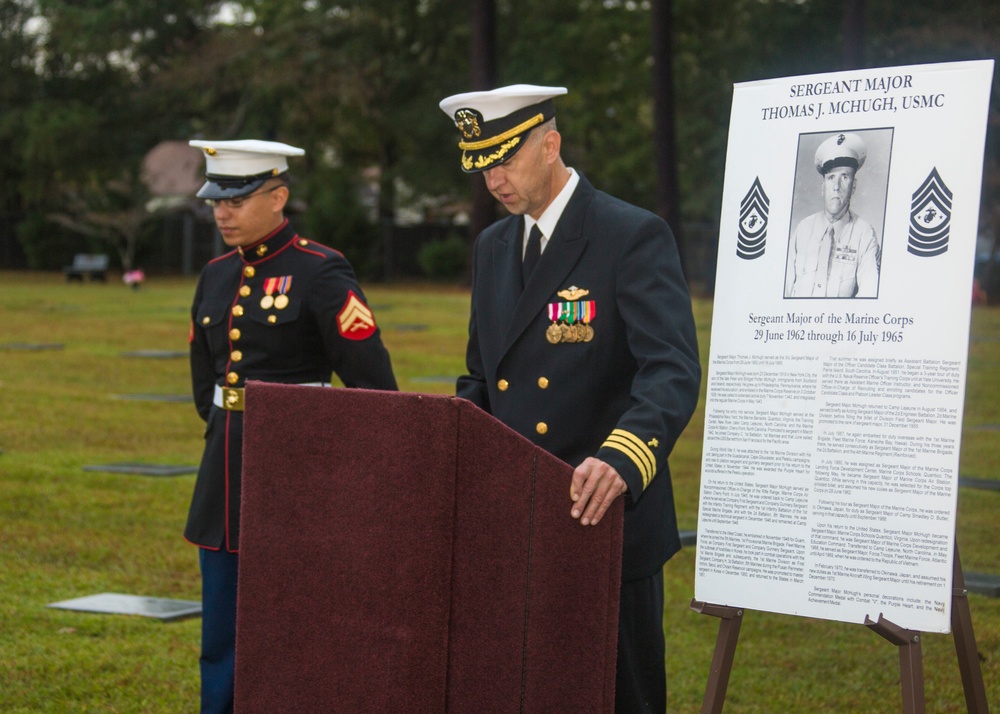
[[911, 672]]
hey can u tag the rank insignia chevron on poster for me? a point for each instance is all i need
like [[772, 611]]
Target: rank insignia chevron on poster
[[753, 222], [930, 217]]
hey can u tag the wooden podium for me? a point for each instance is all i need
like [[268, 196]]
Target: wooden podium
[[409, 553]]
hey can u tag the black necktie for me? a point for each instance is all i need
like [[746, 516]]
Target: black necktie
[[532, 253]]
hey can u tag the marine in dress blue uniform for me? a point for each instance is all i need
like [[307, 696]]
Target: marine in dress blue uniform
[[277, 308], [591, 354]]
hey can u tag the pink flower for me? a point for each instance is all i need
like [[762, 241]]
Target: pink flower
[[133, 277]]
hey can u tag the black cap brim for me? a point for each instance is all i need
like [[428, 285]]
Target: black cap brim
[[221, 187], [838, 162]]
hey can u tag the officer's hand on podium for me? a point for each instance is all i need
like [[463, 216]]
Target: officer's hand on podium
[[594, 488]]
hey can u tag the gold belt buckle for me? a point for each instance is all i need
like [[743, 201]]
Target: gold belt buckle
[[232, 399]]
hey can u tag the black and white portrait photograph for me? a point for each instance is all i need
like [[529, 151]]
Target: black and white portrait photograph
[[838, 214]]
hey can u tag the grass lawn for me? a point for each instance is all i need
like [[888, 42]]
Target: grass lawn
[[66, 532]]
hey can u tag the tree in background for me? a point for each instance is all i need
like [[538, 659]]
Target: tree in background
[[483, 76], [354, 83], [110, 213], [90, 86], [19, 83], [668, 192], [75, 116]]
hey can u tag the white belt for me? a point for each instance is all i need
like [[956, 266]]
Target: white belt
[[231, 398]]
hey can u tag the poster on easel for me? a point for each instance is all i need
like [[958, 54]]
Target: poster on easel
[[839, 347]]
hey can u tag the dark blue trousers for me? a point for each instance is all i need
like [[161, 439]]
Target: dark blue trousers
[[641, 680], [219, 570]]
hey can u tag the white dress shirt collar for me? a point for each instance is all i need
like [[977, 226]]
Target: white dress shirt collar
[[550, 217]]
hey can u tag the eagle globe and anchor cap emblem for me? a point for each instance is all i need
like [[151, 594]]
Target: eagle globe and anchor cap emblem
[[467, 120]]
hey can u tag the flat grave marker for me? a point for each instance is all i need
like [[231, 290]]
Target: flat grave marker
[[31, 346], [986, 484], [156, 354], [155, 397], [158, 608], [142, 469]]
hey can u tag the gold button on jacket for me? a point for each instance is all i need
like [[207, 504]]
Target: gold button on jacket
[[236, 339], [502, 385], [644, 342]]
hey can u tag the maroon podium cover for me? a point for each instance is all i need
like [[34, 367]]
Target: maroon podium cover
[[409, 553]]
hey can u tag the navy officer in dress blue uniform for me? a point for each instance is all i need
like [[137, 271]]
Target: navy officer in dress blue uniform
[[581, 338], [276, 308]]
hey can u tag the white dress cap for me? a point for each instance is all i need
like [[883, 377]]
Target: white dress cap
[[494, 124], [841, 150], [497, 103], [245, 157]]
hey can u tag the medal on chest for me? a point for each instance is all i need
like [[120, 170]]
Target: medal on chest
[[276, 293], [571, 320]]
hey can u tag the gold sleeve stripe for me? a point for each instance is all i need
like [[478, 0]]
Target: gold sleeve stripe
[[633, 447], [500, 138], [627, 449]]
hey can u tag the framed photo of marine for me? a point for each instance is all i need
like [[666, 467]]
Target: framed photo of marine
[[839, 344], [838, 213]]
